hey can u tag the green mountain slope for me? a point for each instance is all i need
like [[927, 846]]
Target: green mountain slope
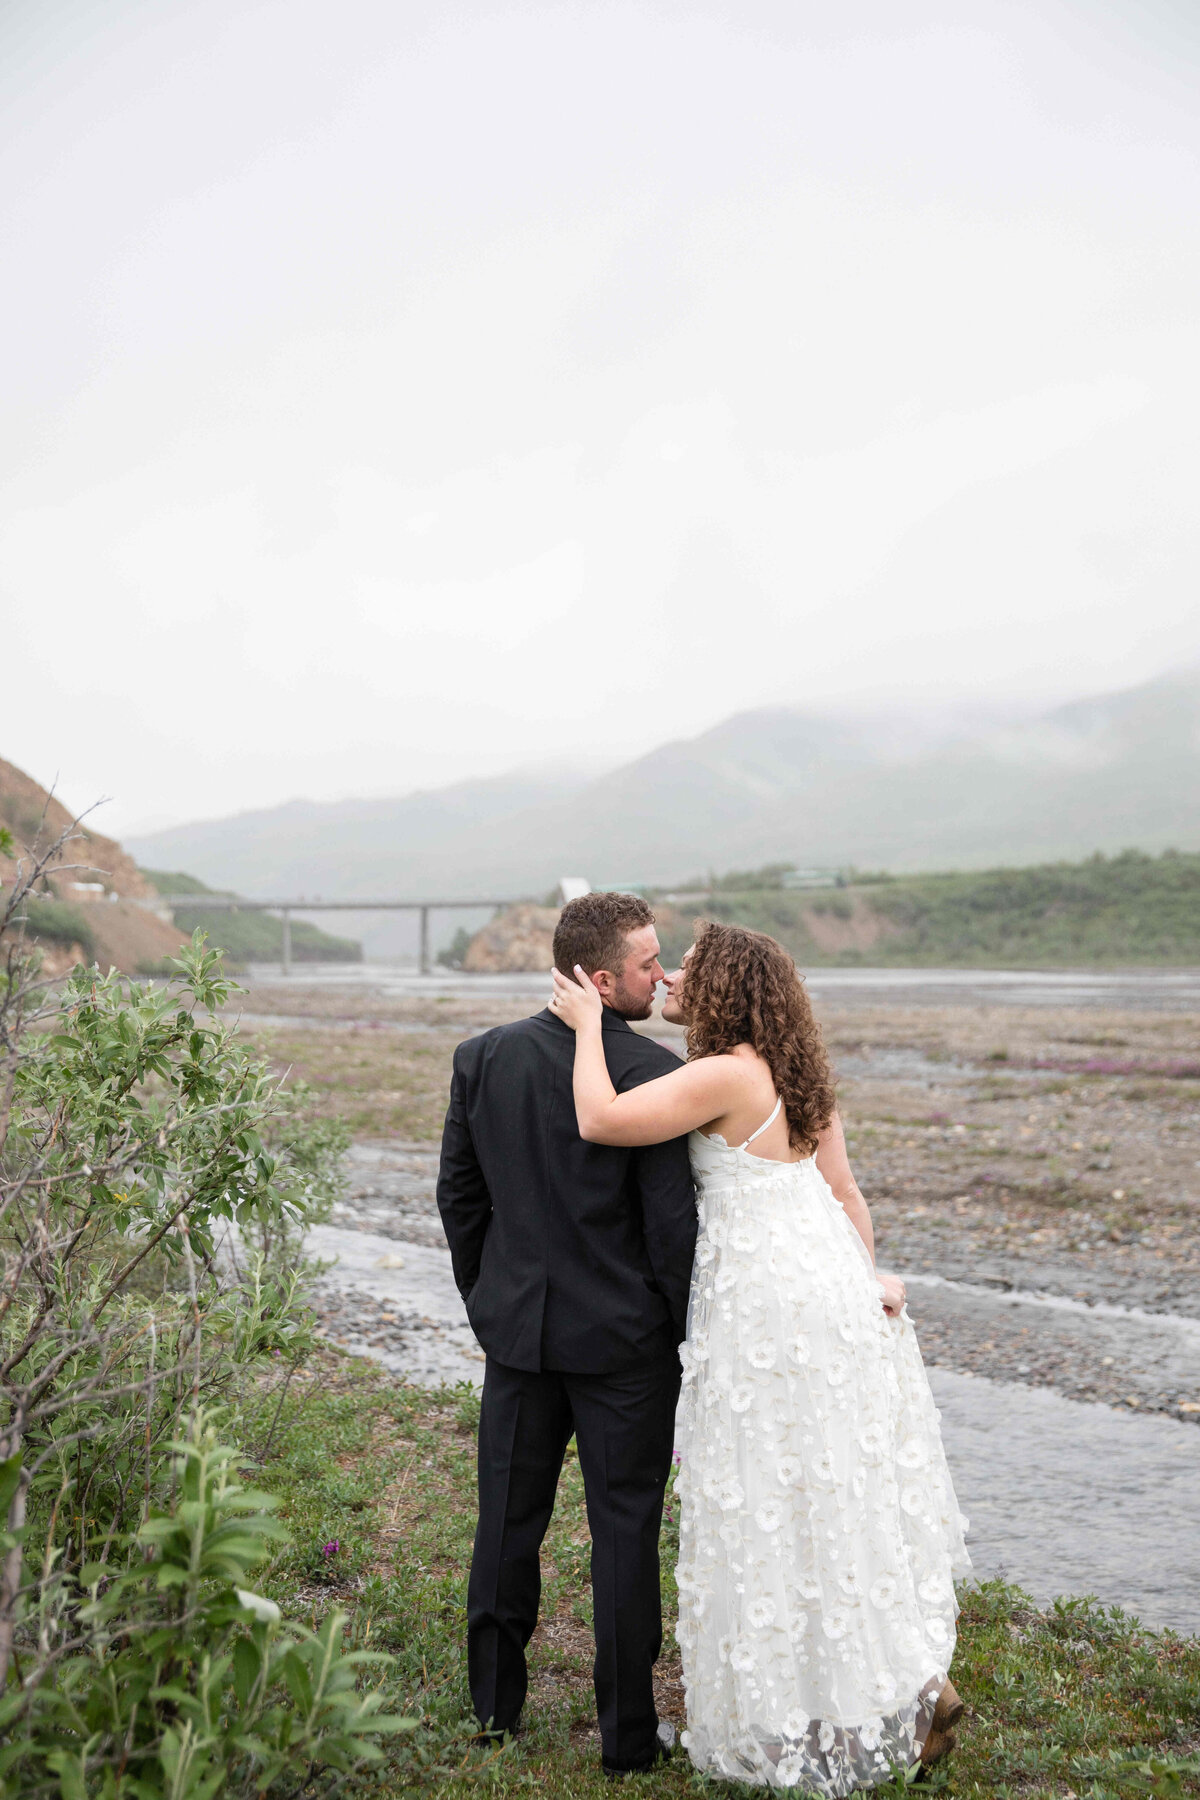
[[1127, 911], [249, 936]]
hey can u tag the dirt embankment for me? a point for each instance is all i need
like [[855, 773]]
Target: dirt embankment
[[846, 923], [519, 939], [98, 904]]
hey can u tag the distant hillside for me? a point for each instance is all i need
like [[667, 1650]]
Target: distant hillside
[[1121, 771], [249, 936], [96, 911], [337, 849], [1130, 910], [417, 844]]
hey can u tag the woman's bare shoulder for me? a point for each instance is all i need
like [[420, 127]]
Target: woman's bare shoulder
[[753, 1061], [737, 1076], [742, 1060]]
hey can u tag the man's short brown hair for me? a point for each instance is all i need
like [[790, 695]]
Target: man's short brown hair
[[593, 931]]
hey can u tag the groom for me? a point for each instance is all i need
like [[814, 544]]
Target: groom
[[573, 1261]]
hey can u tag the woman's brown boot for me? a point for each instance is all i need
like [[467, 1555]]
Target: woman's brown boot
[[940, 1738]]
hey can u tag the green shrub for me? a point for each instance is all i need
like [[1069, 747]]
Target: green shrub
[[185, 1682], [174, 881], [155, 1186], [452, 956], [55, 922], [1131, 908], [834, 906]]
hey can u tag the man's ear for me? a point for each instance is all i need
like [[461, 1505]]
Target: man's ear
[[603, 983]]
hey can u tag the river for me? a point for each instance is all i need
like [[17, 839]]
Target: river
[[1153, 990]]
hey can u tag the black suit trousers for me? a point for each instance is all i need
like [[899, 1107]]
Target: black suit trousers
[[624, 1429]]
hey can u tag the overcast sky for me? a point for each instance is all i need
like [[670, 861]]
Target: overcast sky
[[400, 392]]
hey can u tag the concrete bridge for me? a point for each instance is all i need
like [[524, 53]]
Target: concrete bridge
[[285, 908]]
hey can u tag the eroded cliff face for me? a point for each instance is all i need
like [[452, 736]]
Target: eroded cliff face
[[92, 876], [35, 816], [519, 939]]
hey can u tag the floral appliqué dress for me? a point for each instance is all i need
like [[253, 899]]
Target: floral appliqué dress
[[819, 1531]]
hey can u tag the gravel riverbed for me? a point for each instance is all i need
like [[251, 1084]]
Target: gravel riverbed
[[1031, 1154], [1070, 1489], [1078, 1325]]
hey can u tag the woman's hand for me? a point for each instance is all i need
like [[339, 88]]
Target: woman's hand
[[894, 1294], [577, 1003]]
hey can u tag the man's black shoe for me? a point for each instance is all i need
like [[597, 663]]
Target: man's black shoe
[[664, 1750]]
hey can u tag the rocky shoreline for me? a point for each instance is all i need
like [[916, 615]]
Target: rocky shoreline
[[1070, 1486], [1107, 1339], [1005, 1148]]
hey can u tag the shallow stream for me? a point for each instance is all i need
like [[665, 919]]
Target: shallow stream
[[1066, 1494]]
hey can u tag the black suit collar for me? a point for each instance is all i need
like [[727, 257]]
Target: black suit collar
[[609, 1020]]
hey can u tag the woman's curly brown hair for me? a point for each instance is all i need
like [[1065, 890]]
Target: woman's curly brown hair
[[741, 987]]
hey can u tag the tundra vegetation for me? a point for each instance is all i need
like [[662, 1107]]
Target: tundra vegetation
[[1130, 910], [1070, 1700], [155, 1184], [235, 1560], [248, 936]]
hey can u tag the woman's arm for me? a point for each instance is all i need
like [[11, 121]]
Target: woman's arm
[[834, 1165], [657, 1110]]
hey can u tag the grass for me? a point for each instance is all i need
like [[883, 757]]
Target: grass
[[1062, 1701], [1016, 1151], [1128, 909], [57, 922], [382, 1083], [258, 936], [249, 936]]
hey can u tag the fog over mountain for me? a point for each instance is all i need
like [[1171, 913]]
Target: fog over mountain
[[1117, 771]]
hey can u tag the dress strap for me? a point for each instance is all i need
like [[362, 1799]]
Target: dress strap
[[763, 1126]]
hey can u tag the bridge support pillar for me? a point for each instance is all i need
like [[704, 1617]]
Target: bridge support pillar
[[286, 948], [424, 963]]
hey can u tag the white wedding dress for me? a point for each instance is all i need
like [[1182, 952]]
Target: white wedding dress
[[819, 1532]]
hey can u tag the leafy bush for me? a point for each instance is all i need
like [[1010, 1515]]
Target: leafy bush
[[1130, 908], [184, 1681], [55, 922], [155, 1186], [452, 956]]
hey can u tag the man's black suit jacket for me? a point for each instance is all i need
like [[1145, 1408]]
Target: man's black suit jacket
[[568, 1255]]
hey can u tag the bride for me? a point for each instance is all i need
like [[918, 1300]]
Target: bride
[[819, 1532]]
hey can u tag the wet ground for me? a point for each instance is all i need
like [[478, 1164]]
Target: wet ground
[[1071, 1485], [1161, 990], [1014, 1319], [1030, 1147], [1070, 1498]]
